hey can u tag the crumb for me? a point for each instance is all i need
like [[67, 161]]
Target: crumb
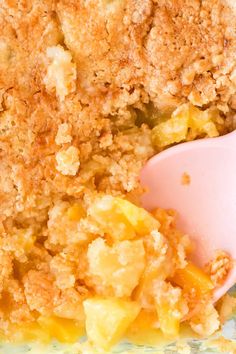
[[185, 179], [219, 267], [40, 283], [61, 73], [68, 304], [125, 265], [206, 321], [68, 161], [63, 134]]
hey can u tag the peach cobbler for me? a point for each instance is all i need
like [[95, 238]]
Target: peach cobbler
[[89, 91]]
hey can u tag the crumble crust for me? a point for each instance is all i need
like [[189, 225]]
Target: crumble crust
[[74, 78]]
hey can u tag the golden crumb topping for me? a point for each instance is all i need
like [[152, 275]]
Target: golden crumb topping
[[89, 90], [68, 161], [219, 267], [61, 73]]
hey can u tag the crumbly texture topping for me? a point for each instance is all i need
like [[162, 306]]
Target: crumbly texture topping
[[206, 322], [219, 267], [61, 73], [68, 161], [87, 95]]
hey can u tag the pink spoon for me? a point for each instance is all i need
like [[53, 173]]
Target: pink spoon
[[207, 205]]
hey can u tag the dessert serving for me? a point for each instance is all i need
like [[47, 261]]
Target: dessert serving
[[89, 91]]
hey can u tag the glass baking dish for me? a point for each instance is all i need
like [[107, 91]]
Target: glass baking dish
[[183, 346]]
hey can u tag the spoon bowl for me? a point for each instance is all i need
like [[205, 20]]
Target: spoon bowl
[[206, 203]]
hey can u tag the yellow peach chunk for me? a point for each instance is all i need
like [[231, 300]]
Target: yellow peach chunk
[[144, 330], [64, 330], [193, 277], [187, 122], [108, 319], [29, 332], [169, 322], [111, 219], [76, 212], [202, 122], [142, 221], [171, 308], [122, 219], [172, 131]]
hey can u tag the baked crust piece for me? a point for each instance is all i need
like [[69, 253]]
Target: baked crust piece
[[73, 75]]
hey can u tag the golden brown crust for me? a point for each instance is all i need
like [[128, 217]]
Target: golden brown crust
[[128, 54]]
